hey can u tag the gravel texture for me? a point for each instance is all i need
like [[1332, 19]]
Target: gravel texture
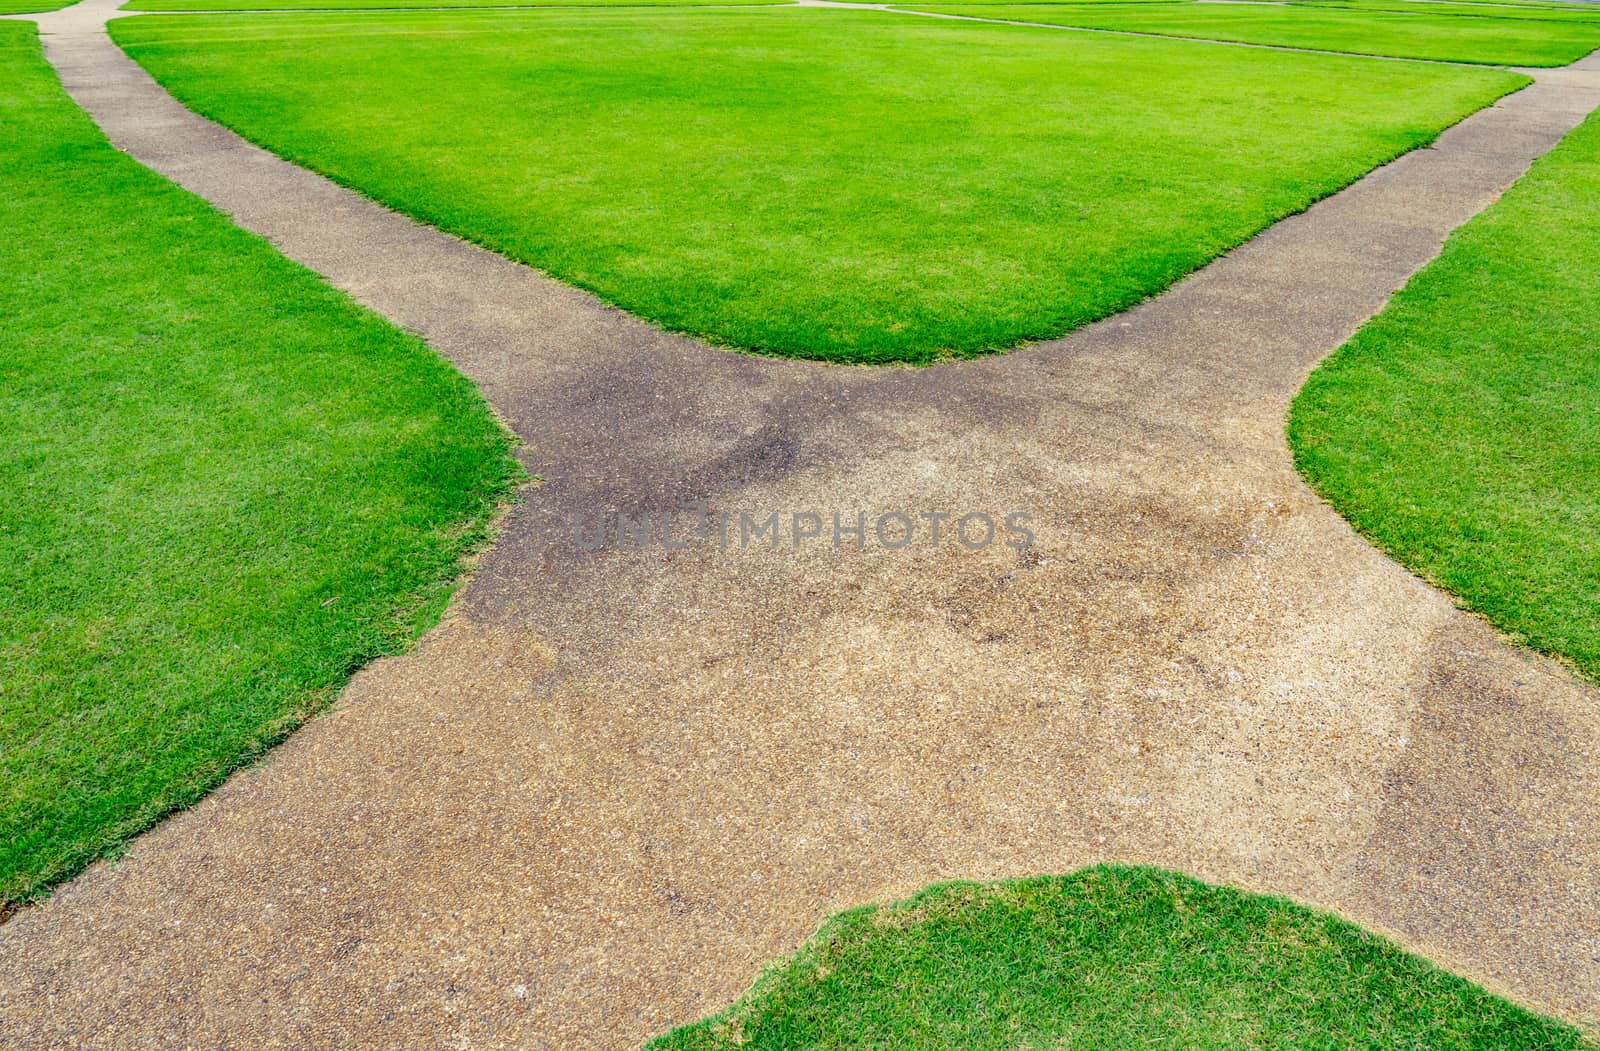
[[615, 783]]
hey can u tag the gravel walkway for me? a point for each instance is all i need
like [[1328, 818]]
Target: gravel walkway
[[615, 782]]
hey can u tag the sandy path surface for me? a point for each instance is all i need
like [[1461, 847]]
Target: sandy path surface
[[615, 782]]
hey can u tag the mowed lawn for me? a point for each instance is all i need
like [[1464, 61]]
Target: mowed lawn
[[29, 7], [1542, 12], [314, 5], [1110, 958], [1489, 8], [1460, 429], [1413, 33], [843, 185], [226, 487]]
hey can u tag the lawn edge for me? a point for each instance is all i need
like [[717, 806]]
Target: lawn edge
[[1295, 422], [772, 971], [411, 615], [932, 356]]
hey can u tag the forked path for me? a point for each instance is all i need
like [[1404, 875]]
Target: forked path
[[613, 784]]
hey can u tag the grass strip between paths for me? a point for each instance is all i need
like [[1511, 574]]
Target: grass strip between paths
[[1460, 429], [843, 185], [227, 487]]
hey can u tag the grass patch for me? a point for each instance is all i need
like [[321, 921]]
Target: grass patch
[[1460, 429], [1492, 5], [31, 7], [356, 5], [843, 185], [227, 487], [1467, 9], [984, 2], [1111, 957], [1367, 31]]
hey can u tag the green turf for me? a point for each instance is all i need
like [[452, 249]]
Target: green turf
[[853, 186], [1443, 37], [353, 5], [1465, 10], [1111, 958], [1492, 5], [30, 7], [1460, 429], [226, 487], [984, 2]]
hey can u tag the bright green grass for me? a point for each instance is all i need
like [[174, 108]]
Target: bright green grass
[[1111, 958], [1465, 10], [1460, 429], [1444, 37], [1492, 5], [226, 487], [845, 185], [351, 5], [982, 2], [30, 7]]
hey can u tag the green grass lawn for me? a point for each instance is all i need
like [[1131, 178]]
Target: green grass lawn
[[851, 186], [29, 7], [1112, 958], [343, 5], [352, 5], [1071, 1], [1591, 13], [1460, 429], [1493, 5], [1445, 37], [226, 488]]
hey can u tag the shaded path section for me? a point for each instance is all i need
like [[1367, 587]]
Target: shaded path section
[[614, 783]]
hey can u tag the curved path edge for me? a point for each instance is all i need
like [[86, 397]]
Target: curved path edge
[[614, 783]]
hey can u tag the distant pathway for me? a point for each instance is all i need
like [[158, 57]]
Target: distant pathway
[[612, 785]]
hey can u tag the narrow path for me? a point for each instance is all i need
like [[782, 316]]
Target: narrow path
[[614, 783]]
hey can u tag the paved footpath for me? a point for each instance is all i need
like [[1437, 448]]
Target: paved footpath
[[614, 783]]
